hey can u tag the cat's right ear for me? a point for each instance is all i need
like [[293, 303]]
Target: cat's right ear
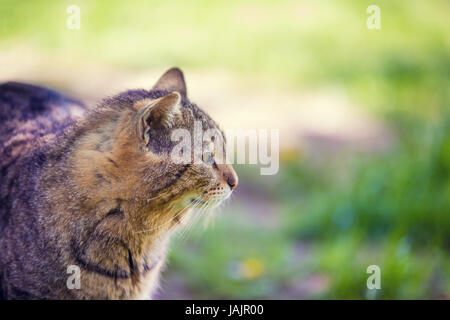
[[172, 80], [157, 114]]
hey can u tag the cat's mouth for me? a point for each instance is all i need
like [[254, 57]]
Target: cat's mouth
[[197, 201], [210, 203], [203, 203]]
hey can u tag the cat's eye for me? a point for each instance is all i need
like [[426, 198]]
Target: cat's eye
[[208, 157]]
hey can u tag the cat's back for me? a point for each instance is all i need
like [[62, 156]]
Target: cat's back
[[29, 116], [29, 112]]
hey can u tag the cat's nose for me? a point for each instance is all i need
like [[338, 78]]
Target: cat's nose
[[232, 179], [229, 175]]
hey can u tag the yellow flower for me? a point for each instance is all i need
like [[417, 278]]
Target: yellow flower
[[251, 268]]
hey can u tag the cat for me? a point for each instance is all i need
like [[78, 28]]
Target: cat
[[97, 189]]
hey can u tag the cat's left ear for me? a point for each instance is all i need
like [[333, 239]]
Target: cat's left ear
[[172, 80], [160, 113]]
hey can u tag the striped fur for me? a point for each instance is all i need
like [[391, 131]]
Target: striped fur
[[96, 189]]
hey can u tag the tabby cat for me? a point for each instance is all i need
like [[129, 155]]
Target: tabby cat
[[97, 189]]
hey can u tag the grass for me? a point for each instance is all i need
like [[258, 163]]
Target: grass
[[390, 210]]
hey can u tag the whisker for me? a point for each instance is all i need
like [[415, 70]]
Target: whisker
[[185, 231], [159, 226], [158, 196], [194, 220]]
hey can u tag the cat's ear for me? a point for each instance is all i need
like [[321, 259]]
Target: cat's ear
[[159, 113], [172, 80]]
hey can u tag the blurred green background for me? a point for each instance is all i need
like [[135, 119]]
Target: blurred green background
[[365, 131]]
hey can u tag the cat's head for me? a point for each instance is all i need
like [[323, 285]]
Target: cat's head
[[157, 150], [185, 139]]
